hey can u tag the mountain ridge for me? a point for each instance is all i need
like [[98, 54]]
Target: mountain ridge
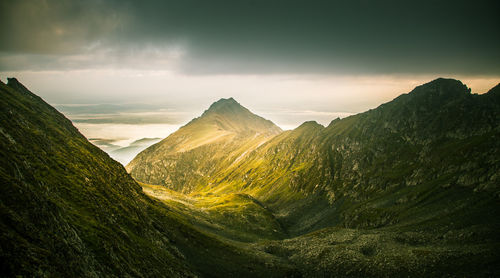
[[224, 133], [424, 163], [407, 189], [68, 210]]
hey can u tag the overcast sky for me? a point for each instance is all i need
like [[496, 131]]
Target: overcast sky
[[164, 62]]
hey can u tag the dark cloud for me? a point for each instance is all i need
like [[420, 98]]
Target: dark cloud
[[57, 26], [259, 36]]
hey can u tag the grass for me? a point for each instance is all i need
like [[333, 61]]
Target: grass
[[390, 192], [414, 179], [234, 216], [67, 209]]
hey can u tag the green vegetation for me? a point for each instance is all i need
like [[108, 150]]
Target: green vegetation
[[237, 217], [185, 160], [410, 189], [68, 210], [423, 164]]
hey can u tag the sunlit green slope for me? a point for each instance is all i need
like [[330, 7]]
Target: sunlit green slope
[[418, 175], [68, 210], [439, 137], [222, 136]]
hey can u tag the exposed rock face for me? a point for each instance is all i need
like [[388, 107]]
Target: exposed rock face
[[413, 171], [437, 134]]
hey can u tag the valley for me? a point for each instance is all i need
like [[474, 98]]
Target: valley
[[413, 189], [410, 188]]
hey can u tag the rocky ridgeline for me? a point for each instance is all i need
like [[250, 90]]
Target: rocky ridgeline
[[407, 189], [425, 163]]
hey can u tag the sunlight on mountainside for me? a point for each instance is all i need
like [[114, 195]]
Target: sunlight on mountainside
[[391, 189], [283, 138]]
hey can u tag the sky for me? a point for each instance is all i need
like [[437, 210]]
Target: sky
[[127, 69]]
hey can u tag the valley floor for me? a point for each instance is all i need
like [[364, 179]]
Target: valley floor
[[391, 251]]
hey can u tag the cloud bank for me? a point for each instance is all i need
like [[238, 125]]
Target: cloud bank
[[253, 37]]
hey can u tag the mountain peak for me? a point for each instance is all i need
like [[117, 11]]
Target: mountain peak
[[224, 102], [228, 114], [227, 100], [310, 124], [226, 106], [12, 80], [442, 87], [15, 84]]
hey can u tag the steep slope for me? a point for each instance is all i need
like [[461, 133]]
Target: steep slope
[[408, 188], [438, 133], [68, 210], [186, 159]]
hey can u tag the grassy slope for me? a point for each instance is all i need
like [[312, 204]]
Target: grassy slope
[[237, 217], [67, 209], [408, 189], [446, 143], [186, 159], [422, 167]]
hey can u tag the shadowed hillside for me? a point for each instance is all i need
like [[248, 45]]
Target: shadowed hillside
[[67, 209], [418, 174], [410, 189]]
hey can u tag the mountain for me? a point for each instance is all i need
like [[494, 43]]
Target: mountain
[[223, 135], [68, 210], [410, 188]]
